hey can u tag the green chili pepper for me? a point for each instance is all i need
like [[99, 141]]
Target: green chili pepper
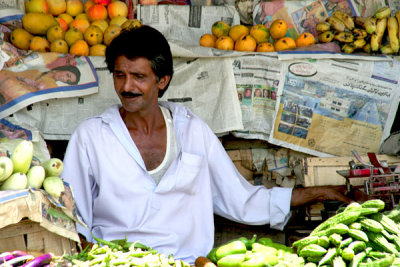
[[248, 242], [265, 241], [212, 255], [111, 244]]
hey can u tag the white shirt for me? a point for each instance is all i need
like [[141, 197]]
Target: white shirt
[[117, 198]]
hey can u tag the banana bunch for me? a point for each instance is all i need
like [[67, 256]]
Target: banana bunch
[[375, 34]]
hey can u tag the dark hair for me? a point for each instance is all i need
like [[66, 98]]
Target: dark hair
[[146, 42], [70, 68]]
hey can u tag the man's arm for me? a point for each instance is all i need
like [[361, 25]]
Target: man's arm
[[307, 195]]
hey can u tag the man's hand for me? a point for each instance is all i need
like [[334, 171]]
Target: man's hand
[[308, 195], [84, 242]]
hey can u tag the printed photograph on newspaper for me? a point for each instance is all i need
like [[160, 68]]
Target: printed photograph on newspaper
[[323, 112], [365, 8], [45, 76]]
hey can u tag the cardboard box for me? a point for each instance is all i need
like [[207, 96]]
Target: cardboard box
[[32, 222], [322, 171]]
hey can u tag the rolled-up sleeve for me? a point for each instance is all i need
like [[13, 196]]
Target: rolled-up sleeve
[[280, 207]]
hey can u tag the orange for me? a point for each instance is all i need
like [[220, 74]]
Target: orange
[[55, 33], [220, 28], [110, 33], [21, 38], [101, 23], [72, 35], [93, 35], [96, 12], [225, 43], [74, 7], [285, 43], [79, 48], [265, 47], [68, 18], [260, 33], [39, 44], [207, 40], [246, 43], [305, 39], [238, 30], [98, 50], [278, 29], [80, 24], [62, 24], [117, 8], [59, 46]]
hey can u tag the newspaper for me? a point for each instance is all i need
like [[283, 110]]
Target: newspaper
[[257, 79], [186, 23], [331, 107]]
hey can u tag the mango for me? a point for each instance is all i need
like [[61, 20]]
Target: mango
[[38, 23]]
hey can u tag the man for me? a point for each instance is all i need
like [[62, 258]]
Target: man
[[154, 172]]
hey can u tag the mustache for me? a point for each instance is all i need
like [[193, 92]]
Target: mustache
[[129, 94]]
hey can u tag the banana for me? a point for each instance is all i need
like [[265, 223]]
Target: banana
[[358, 20], [359, 43], [344, 37], [381, 26], [370, 25], [346, 19], [360, 33], [348, 48], [386, 49], [367, 48], [336, 24], [323, 26], [326, 37], [376, 37], [393, 32], [22, 156], [397, 15], [383, 12], [375, 42]]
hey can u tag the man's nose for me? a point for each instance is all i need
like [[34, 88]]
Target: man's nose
[[128, 84]]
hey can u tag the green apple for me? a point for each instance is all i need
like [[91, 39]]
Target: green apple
[[6, 168]]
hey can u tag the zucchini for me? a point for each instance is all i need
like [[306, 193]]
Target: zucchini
[[371, 225], [358, 234], [374, 203], [312, 250]]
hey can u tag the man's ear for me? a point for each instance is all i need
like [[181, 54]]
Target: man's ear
[[164, 82]]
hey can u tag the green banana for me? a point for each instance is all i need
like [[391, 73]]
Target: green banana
[[336, 24], [323, 26], [383, 12], [345, 18], [387, 49], [370, 25], [348, 48], [22, 156], [393, 32], [344, 37], [326, 37], [360, 33]]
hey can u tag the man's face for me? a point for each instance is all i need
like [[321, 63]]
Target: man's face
[[136, 84]]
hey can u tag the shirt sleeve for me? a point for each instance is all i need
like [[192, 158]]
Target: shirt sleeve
[[77, 173], [238, 200]]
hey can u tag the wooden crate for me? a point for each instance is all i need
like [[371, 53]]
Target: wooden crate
[[31, 237], [322, 171]]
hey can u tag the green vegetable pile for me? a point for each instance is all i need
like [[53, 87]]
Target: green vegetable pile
[[360, 235], [122, 253], [243, 252]]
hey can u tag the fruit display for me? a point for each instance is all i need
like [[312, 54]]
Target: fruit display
[[17, 171], [257, 38], [71, 26], [360, 235], [375, 34]]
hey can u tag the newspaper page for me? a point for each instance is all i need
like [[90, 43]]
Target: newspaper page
[[257, 79], [186, 23], [329, 107]]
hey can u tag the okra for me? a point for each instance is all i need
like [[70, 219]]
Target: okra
[[358, 234], [312, 250], [345, 217], [387, 223], [328, 257], [384, 262]]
